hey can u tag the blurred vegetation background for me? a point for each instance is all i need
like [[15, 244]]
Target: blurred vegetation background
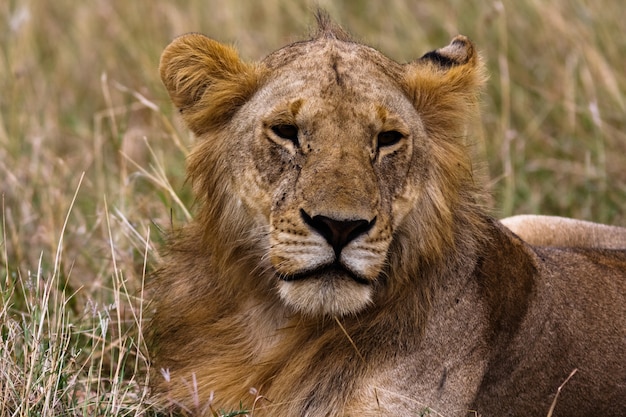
[[92, 158]]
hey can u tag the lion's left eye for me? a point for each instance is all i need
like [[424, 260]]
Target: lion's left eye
[[286, 131], [389, 138]]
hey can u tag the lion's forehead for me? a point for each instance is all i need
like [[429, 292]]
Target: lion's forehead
[[337, 87], [330, 68], [310, 52]]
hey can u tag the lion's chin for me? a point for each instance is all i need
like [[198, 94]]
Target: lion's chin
[[331, 292]]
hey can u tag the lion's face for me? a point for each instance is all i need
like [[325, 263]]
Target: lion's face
[[322, 152], [327, 159]]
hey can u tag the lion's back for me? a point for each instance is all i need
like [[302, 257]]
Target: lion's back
[[565, 232]]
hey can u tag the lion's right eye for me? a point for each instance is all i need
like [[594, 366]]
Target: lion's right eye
[[287, 132], [389, 138]]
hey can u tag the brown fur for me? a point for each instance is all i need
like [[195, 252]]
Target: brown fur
[[350, 269]]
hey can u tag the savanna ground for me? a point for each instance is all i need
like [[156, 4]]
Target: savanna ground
[[92, 158]]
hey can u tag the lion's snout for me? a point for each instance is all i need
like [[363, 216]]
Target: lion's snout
[[327, 263], [337, 232]]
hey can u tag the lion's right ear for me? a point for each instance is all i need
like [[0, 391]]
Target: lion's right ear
[[206, 80], [444, 86]]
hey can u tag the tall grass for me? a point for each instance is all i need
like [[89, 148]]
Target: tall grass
[[92, 159]]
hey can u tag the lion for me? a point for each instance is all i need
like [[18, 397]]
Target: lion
[[342, 261], [544, 230]]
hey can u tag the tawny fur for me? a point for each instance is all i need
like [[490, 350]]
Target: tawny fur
[[433, 307], [564, 232]]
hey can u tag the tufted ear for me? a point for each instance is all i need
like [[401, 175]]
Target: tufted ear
[[206, 80], [460, 51], [444, 85]]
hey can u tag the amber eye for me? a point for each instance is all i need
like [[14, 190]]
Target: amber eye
[[286, 131], [389, 138]]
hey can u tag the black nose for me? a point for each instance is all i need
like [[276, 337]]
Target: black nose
[[338, 233]]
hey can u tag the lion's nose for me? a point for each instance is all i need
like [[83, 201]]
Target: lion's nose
[[338, 233]]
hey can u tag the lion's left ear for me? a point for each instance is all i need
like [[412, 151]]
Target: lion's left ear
[[206, 80], [444, 84]]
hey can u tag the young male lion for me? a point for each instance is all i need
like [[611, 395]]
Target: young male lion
[[341, 263]]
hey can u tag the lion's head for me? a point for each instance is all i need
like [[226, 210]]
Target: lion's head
[[319, 159]]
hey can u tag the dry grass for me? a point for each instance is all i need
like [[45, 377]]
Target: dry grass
[[91, 167]]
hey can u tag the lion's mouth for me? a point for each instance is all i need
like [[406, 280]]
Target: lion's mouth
[[333, 272]]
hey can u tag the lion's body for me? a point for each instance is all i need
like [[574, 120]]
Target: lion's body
[[341, 262], [564, 232]]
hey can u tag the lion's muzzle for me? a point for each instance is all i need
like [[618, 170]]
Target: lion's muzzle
[[338, 233]]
